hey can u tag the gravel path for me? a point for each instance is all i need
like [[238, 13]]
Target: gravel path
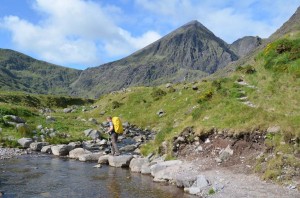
[[241, 185]]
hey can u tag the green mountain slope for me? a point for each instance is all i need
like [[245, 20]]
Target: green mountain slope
[[189, 53], [19, 72]]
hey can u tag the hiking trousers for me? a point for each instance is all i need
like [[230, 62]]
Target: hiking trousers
[[114, 147]]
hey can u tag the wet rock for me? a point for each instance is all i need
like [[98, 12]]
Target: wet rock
[[128, 148], [46, 149], [25, 142], [37, 146], [103, 159], [120, 161], [90, 157], [61, 150], [75, 153], [136, 164], [145, 168], [97, 166]]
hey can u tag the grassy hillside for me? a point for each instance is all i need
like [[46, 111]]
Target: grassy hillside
[[259, 94], [19, 72]]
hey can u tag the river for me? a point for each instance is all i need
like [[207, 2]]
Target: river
[[48, 176]]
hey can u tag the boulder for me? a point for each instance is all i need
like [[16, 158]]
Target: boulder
[[46, 149], [136, 164], [39, 127], [103, 142], [145, 169], [128, 148], [50, 119], [273, 129], [13, 118], [67, 110], [168, 85], [200, 183], [94, 134], [75, 144], [75, 153], [103, 159], [90, 157], [163, 165], [23, 128], [25, 142], [226, 153], [186, 179], [61, 149], [93, 120], [37, 146], [120, 161], [160, 113]]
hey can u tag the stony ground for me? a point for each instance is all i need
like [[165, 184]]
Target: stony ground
[[234, 177], [6, 153]]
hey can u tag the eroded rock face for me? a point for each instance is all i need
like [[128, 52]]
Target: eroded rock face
[[120, 161]]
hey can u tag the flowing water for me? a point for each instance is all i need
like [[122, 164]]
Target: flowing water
[[47, 176]]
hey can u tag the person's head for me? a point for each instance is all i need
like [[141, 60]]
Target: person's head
[[109, 118]]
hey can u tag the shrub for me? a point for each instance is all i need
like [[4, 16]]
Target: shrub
[[157, 93], [207, 95], [248, 69], [116, 104]]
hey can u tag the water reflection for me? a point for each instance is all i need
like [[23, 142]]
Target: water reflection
[[56, 177]]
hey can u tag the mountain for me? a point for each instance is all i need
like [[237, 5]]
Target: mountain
[[19, 72], [188, 53], [243, 46], [291, 26]]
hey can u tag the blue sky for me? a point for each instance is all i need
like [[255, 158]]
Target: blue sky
[[86, 33]]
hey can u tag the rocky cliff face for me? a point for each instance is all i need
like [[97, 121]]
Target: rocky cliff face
[[243, 46], [188, 53]]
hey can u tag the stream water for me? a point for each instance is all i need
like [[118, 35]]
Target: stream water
[[47, 176]]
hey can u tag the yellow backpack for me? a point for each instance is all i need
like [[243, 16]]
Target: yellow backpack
[[118, 127]]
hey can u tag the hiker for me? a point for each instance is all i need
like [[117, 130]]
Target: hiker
[[113, 136]]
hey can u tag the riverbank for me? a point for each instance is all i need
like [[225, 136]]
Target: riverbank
[[7, 153]]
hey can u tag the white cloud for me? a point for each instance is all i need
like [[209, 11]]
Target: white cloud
[[229, 19], [74, 32]]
